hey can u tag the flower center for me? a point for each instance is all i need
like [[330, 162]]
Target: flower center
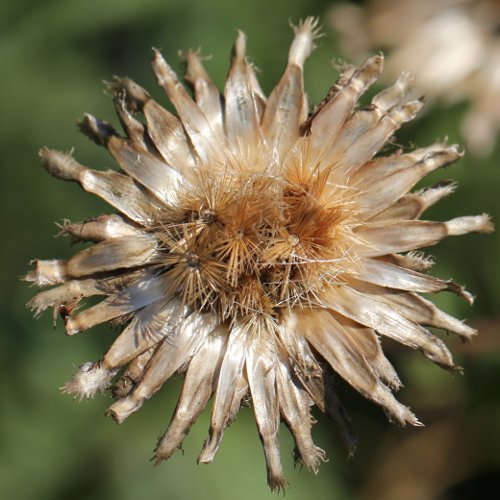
[[265, 243]]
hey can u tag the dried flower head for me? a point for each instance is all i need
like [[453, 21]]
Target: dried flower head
[[258, 249], [453, 46]]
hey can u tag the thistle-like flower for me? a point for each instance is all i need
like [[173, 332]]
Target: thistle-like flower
[[258, 249]]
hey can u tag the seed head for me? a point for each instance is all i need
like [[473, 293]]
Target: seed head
[[258, 248]]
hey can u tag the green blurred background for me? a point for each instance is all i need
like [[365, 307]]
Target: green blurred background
[[54, 55]]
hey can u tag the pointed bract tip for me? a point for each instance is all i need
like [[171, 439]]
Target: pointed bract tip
[[277, 484], [368, 73], [456, 149], [308, 25], [114, 415], [96, 130], [47, 272], [460, 291], [487, 226], [470, 224], [70, 326], [120, 410], [165, 75], [135, 95], [303, 44], [60, 165], [238, 53], [313, 459], [408, 111], [193, 65], [90, 379], [376, 62], [406, 78], [210, 448]]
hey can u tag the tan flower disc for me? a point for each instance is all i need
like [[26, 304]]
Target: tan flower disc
[[257, 248]]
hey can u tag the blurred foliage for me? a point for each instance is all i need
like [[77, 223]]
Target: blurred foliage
[[54, 55]]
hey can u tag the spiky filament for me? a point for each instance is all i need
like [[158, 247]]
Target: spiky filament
[[244, 241]]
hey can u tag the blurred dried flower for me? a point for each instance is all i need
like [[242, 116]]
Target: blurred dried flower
[[258, 248], [452, 46]]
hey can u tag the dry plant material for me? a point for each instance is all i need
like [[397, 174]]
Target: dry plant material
[[258, 248], [453, 46]]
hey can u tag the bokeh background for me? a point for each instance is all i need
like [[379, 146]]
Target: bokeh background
[[54, 55]]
